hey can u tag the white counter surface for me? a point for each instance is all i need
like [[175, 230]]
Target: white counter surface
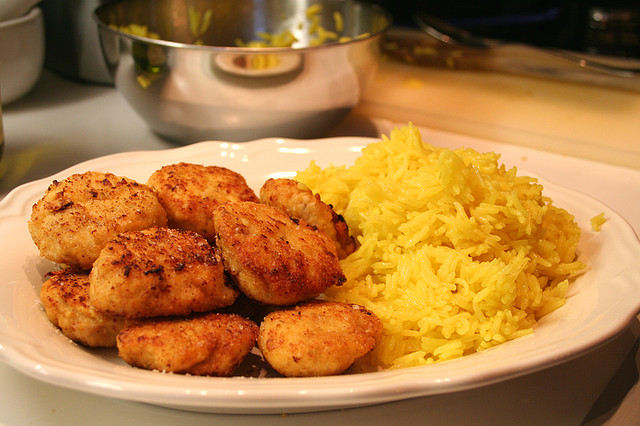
[[61, 123]]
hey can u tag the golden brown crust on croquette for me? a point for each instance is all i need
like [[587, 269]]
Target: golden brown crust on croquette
[[78, 215], [157, 272], [211, 345], [274, 259], [317, 338], [297, 200], [65, 298], [190, 192]]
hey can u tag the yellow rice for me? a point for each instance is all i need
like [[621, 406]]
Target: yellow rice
[[456, 252], [597, 222]]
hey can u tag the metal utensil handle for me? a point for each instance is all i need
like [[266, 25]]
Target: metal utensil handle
[[454, 36]]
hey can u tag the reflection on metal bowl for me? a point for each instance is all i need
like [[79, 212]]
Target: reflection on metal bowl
[[269, 65], [194, 83]]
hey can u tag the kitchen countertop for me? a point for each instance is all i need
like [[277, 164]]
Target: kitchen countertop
[[586, 121], [61, 123]]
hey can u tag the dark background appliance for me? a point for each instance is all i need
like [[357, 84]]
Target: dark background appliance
[[604, 27]]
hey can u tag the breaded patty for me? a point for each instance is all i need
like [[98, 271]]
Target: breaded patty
[[159, 271], [65, 297], [78, 215], [297, 200], [274, 259], [190, 192], [318, 338], [209, 345]]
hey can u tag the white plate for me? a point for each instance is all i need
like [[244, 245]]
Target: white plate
[[601, 303]]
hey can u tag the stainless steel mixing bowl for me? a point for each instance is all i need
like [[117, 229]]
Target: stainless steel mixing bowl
[[194, 83]]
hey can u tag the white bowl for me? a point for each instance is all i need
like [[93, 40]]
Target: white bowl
[[21, 54]]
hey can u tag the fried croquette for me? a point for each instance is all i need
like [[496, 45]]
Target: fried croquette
[[77, 216], [158, 272], [295, 199], [65, 297], [273, 258], [190, 192], [318, 338], [210, 345]]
